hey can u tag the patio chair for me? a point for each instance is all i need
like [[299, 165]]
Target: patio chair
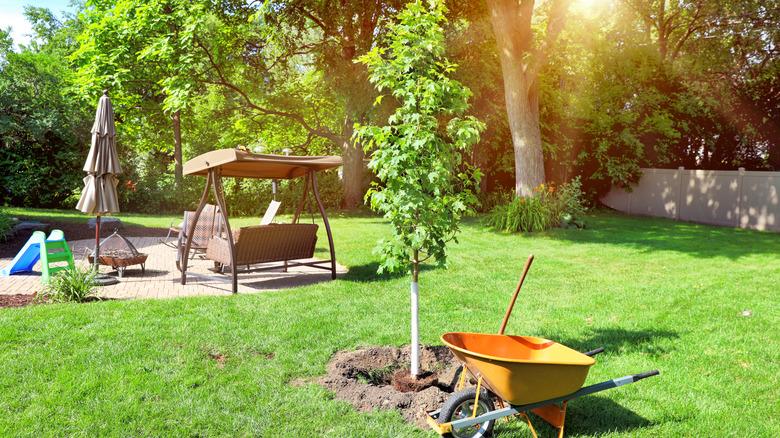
[[209, 225]]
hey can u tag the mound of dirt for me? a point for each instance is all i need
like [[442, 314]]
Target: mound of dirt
[[364, 378]]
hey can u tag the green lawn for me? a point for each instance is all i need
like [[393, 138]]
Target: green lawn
[[655, 293]]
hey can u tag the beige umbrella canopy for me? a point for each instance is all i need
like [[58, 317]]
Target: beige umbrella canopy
[[99, 195]]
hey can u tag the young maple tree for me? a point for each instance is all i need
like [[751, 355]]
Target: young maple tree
[[424, 186]]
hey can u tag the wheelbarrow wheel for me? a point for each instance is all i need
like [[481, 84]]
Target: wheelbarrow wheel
[[460, 405]]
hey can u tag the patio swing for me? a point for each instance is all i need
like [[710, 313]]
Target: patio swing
[[287, 243]]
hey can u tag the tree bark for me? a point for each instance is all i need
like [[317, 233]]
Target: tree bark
[[354, 169], [511, 20], [177, 154]]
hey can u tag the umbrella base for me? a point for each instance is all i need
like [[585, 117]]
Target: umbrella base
[[105, 280]]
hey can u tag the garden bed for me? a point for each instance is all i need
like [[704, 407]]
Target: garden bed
[[17, 300]]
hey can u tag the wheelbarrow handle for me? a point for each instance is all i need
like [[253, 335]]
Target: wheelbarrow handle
[[514, 296], [645, 375], [594, 352]]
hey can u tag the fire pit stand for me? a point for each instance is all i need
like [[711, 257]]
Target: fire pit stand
[[119, 253]]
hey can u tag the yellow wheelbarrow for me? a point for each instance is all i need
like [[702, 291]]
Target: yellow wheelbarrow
[[515, 375]]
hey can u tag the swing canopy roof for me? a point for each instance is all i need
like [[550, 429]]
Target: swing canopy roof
[[243, 164]]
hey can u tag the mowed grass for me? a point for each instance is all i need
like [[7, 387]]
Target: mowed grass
[[655, 293]]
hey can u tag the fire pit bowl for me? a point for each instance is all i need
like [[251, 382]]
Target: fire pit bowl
[[116, 251]]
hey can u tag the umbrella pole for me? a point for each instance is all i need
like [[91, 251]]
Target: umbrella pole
[[96, 253], [100, 279]]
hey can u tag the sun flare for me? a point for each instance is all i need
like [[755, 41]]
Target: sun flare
[[591, 7]]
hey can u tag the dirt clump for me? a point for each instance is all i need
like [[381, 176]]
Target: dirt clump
[[403, 381], [364, 378]]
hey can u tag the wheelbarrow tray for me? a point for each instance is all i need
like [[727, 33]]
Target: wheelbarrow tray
[[521, 369]]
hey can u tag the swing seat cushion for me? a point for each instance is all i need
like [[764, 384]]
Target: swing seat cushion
[[266, 243]]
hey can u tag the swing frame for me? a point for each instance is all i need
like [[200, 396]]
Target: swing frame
[[238, 163]]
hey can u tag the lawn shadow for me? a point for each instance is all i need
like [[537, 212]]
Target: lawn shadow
[[598, 415], [135, 272], [618, 340], [656, 234], [368, 273]]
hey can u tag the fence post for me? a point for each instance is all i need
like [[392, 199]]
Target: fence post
[[740, 179], [679, 192]]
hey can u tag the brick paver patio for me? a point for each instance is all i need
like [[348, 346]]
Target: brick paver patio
[[162, 279]]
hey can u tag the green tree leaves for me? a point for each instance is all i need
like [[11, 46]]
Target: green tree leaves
[[424, 186]]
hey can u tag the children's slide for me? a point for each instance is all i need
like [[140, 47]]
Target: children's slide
[[29, 255]]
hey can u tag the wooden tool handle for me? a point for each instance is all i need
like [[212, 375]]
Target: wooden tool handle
[[514, 296]]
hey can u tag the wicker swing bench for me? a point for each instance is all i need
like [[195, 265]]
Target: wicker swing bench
[[266, 244], [293, 243]]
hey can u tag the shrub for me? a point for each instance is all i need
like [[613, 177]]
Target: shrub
[[522, 214], [547, 208], [72, 285], [6, 225], [571, 204], [490, 200]]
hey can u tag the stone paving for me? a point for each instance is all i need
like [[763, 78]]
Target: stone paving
[[163, 280]]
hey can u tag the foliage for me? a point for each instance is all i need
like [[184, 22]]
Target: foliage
[[527, 214], [548, 207], [490, 199], [6, 225], [641, 84], [661, 84], [250, 197], [71, 285], [42, 129], [423, 187]]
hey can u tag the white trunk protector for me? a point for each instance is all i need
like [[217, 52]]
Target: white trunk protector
[[415, 349]]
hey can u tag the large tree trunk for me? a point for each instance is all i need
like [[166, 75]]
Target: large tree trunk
[[511, 21], [354, 169], [177, 155]]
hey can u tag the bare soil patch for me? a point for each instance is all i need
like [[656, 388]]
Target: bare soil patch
[[18, 300], [219, 358], [365, 378]]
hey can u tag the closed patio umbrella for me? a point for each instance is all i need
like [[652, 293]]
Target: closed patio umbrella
[[99, 196]]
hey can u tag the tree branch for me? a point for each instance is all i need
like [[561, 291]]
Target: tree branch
[[692, 27], [555, 25], [320, 131]]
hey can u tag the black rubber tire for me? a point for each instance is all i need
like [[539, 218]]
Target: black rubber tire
[[452, 408]]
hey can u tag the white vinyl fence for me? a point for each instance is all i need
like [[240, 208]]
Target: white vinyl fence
[[735, 198]]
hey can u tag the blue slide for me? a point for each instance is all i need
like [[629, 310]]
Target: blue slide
[[26, 259]]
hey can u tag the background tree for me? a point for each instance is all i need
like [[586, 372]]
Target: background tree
[[333, 35], [521, 62], [424, 189]]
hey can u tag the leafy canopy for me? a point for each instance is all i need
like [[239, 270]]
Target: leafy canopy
[[424, 186]]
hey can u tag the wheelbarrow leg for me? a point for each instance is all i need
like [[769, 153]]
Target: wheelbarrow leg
[[554, 415], [530, 425]]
